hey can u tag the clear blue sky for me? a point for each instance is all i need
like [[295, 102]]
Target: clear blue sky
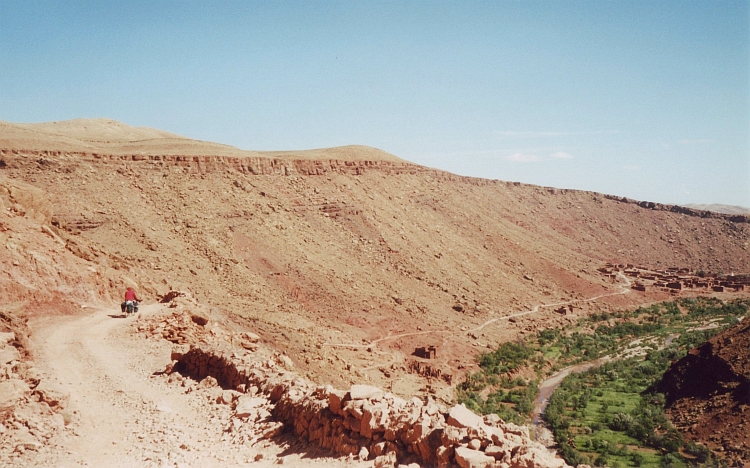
[[649, 100]]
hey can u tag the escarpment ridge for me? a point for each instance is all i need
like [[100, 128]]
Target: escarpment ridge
[[110, 137], [109, 140]]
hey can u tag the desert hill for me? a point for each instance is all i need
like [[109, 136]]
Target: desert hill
[[345, 259], [325, 256], [708, 393], [108, 136], [726, 209]]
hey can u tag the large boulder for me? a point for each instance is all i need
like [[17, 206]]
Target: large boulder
[[461, 416], [363, 392], [468, 458]]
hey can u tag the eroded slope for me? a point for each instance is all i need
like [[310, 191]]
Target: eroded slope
[[351, 263], [708, 393]]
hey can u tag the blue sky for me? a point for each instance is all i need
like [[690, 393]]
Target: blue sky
[[649, 100]]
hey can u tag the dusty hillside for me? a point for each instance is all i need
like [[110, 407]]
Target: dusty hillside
[[343, 259], [331, 257], [708, 393]]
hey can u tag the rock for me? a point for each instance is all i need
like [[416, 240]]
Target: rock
[[444, 454], [7, 337], [495, 452], [51, 394], [35, 445], [247, 405], [273, 430], [354, 408], [378, 448], [364, 454], [362, 392], [250, 337], [475, 444], [214, 394], [453, 435], [179, 351], [492, 419], [533, 456], [248, 345], [227, 397], [58, 420], [483, 432], [9, 354], [199, 318], [468, 458], [286, 362], [334, 399], [417, 432], [25, 441], [386, 461], [10, 391], [461, 416], [208, 382]]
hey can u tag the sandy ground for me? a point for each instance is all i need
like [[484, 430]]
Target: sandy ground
[[125, 414]]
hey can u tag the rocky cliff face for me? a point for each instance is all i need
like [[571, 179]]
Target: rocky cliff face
[[708, 393]]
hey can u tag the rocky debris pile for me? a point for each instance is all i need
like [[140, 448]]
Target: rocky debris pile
[[186, 324], [708, 393], [32, 410], [364, 421], [170, 296], [246, 417], [177, 327]]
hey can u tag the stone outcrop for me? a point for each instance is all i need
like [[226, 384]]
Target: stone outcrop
[[708, 393], [31, 409], [363, 421]]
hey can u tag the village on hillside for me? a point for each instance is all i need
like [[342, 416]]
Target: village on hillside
[[675, 279]]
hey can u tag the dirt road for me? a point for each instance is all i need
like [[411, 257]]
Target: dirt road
[[123, 413]]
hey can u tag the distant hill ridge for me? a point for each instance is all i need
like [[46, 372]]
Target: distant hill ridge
[[726, 209], [107, 136]]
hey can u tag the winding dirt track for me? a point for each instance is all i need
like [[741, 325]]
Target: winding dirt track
[[623, 289], [125, 415]]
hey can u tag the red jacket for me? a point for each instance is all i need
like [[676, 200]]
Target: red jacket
[[130, 295]]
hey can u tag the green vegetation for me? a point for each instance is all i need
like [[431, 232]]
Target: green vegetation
[[608, 415]]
